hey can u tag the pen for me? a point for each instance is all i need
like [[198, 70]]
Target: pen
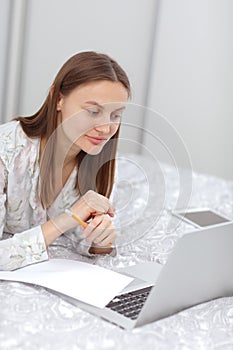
[[75, 217], [80, 221]]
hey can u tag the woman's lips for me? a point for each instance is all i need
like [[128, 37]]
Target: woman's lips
[[96, 140]]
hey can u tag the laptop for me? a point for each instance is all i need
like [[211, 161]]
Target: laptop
[[199, 269]]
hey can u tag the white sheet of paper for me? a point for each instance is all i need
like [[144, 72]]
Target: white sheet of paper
[[89, 283]]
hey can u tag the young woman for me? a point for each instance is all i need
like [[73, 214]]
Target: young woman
[[62, 157]]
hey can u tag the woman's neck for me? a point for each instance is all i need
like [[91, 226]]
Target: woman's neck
[[64, 160]]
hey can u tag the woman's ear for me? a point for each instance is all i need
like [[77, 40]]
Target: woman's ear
[[60, 98], [59, 102]]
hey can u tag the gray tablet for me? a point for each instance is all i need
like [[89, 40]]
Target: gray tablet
[[201, 217]]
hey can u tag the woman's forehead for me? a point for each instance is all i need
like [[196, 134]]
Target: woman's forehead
[[101, 92]]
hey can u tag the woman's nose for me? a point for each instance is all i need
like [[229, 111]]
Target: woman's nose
[[103, 128]]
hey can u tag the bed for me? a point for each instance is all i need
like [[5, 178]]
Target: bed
[[33, 317]]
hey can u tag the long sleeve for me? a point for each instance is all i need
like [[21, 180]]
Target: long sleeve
[[23, 248], [3, 177], [21, 212]]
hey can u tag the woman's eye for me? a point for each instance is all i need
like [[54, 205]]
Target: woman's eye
[[116, 116], [93, 112]]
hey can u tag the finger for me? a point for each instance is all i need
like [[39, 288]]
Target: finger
[[106, 232], [96, 201], [92, 226], [109, 239], [111, 211], [101, 230]]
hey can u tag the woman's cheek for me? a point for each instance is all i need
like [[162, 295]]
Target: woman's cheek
[[76, 126]]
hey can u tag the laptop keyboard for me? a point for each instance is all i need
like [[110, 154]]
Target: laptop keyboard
[[130, 304]]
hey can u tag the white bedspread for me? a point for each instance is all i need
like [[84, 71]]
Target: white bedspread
[[32, 317]]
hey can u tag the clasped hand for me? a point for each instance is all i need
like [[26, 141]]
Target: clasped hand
[[100, 229]]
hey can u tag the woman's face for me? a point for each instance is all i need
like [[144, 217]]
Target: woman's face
[[91, 114]]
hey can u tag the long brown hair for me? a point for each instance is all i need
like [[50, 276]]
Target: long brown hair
[[81, 68]]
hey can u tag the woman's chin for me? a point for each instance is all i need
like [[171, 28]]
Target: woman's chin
[[94, 150]]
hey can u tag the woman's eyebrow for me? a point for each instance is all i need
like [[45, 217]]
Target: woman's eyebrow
[[119, 109], [102, 107], [94, 103]]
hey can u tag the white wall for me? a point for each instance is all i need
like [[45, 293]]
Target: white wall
[[192, 79], [56, 29], [179, 63], [4, 29]]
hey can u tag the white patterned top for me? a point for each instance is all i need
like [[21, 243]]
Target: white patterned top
[[21, 212]]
